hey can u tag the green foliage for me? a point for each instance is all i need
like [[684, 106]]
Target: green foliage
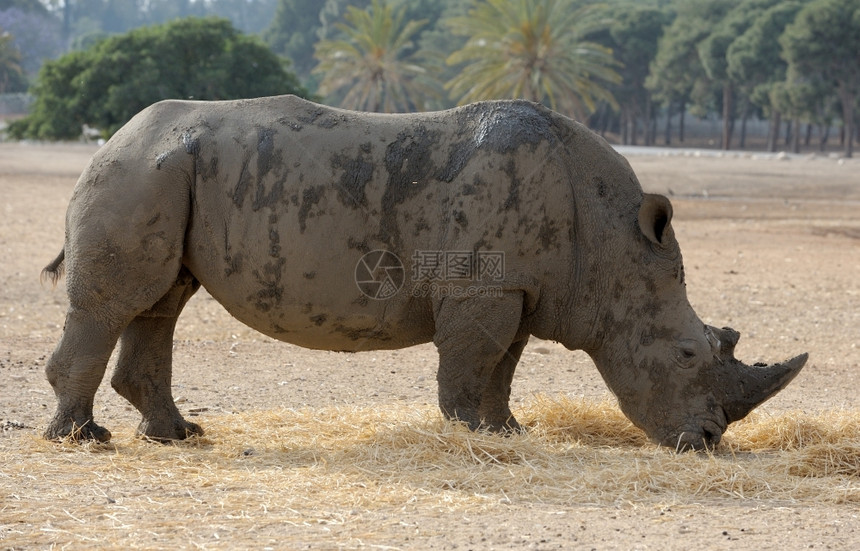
[[825, 38], [437, 41], [432, 12], [293, 33], [807, 98], [798, 58], [533, 49], [677, 73], [754, 59], [372, 61], [713, 49], [333, 13], [823, 42], [676, 68], [109, 83], [59, 109], [633, 36]]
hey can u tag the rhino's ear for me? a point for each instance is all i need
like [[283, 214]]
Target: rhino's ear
[[654, 217]]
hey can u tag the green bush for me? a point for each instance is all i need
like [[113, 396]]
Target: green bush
[[107, 84]]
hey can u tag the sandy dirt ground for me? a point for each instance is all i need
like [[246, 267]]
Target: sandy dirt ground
[[771, 248]]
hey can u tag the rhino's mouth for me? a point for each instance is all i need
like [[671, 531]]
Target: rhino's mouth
[[702, 435]]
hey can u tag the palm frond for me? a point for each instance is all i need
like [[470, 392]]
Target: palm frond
[[370, 61], [532, 49]]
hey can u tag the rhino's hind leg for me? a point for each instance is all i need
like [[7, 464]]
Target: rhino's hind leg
[[477, 356], [125, 232], [75, 371], [144, 368]]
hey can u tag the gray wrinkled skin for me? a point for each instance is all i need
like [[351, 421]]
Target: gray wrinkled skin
[[270, 203]]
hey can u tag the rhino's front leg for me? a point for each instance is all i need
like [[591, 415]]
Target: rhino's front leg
[[495, 409], [474, 337], [144, 369]]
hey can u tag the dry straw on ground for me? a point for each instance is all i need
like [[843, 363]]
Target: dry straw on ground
[[294, 467]]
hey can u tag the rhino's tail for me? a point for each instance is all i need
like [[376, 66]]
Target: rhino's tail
[[54, 270]]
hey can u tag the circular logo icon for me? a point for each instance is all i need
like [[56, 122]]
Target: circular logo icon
[[379, 274]]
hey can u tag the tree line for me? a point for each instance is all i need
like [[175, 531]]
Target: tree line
[[619, 65]]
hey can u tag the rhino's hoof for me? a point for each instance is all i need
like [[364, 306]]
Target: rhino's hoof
[[74, 432], [513, 427], [507, 427], [168, 432]]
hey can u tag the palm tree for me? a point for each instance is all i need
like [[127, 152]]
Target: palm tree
[[533, 49], [374, 61]]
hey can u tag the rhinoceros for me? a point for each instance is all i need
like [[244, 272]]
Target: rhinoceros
[[473, 228]]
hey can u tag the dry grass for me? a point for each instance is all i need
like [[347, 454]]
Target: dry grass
[[257, 473]]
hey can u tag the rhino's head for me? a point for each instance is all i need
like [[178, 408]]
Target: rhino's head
[[675, 377]]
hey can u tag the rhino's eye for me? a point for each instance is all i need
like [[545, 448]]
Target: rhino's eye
[[685, 354]]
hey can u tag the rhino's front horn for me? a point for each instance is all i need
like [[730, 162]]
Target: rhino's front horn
[[747, 386], [755, 384]]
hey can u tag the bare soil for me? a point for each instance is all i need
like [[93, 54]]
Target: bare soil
[[771, 248]]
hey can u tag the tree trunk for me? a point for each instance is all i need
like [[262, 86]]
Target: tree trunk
[[773, 131], [847, 118], [824, 129], [625, 127], [731, 129], [681, 122], [744, 117], [795, 136], [600, 122], [667, 136], [649, 136], [727, 116], [788, 130], [653, 127], [808, 137], [631, 127], [607, 120]]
